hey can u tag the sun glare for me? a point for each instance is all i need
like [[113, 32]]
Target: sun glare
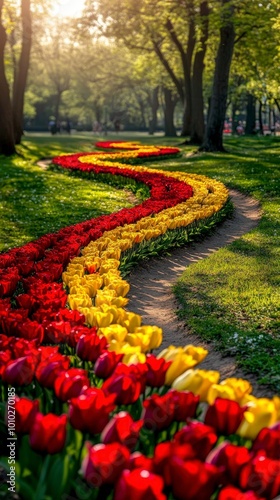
[[69, 8]]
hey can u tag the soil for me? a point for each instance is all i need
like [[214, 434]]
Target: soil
[[151, 293]]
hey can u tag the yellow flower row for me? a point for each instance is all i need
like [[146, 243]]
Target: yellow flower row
[[101, 297]]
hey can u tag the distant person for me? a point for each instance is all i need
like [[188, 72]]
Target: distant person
[[117, 125], [52, 127], [68, 126], [239, 129]]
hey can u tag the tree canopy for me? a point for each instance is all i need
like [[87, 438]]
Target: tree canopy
[[144, 62]]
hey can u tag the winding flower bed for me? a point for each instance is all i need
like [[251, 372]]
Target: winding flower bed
[[97, 415]]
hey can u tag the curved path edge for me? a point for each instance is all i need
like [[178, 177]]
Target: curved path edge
[[151, 287]]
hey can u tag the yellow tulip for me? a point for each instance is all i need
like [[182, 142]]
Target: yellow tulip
[[114, 331], [131, 321], [179, 365], [110, 276], [240, 386], [111, 253], [153, 332], [79, 300], [125, 244], [117, 312], [196, 381], [261, 413], [77, 260], [138, 339], [134, 358], [104, 297], [170, 353], [103, 319], [68, 277], [92, 264], [120, 286], [198, 353], [108, 264], [220, 391], [115, 346], [276, 401], [89, 314]]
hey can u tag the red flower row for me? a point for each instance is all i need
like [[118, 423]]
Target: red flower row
[[43, 260], [190, 464]]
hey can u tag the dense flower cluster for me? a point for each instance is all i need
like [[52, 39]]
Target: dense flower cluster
[[152, 426]]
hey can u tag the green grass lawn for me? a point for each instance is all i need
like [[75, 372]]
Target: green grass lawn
[[231, 298]]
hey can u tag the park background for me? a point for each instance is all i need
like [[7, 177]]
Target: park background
[[154, 72]]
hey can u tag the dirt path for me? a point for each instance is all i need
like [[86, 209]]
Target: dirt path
[[151, 295]]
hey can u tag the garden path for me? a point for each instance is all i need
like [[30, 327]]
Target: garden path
[[151, 287]]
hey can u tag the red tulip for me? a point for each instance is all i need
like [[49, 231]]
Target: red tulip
[[139, 484], [185, 405], [138, 372], [20, 371], [5, 357], [104, 463], [163, 454], [126, 388], [158, 411], [262, 475], [46, 353], [193, 480], [139, 461], [90, 412], [157, 369], [106, 364], [22, 347], [268, 440], [69, 384], [56, 331], [200, 436], [90, 347], [225, 416], [232, 493], [25, 412], [48, 433], [122, 429], [232, 458], [48, 370]]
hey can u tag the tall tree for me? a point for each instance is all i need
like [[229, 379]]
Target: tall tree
[[21, 70], [214, 131], [7, 142], [175, 31]]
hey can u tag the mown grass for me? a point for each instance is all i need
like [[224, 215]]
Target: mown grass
[[34, 201], [231, 299]]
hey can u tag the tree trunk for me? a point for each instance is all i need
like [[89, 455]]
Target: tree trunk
[[154, 109], [250, 127], [233, 117], [214, 131], [21, 73], [57, 106], [197, 116], [169, 108], [260, 118], [7, 143]]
